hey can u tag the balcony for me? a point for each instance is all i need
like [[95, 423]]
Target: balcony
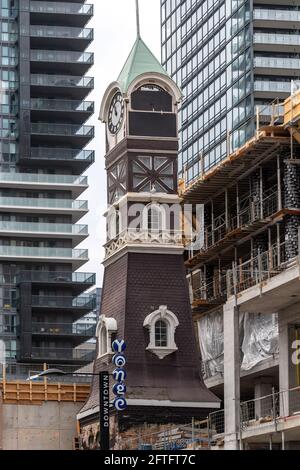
[[271, 89], [76, 63], [78, 306], [264, 18], [77, 233], [64, 134], [277, 66], [76, 184], [275, 42], [76, 111], [76, 39], [76, 258], [77, 87], [77, 159], [79, 282], [81, 331], [64, 355], [64, 13], [48, 206]]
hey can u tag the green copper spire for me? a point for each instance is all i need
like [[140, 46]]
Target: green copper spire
[[140, 60]]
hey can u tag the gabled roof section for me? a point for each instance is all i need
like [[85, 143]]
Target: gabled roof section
[[140, 60]]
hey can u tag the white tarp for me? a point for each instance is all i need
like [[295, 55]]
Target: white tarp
[[258, 334]]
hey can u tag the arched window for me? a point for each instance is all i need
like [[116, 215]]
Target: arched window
[[161, 334], [105, 328], [162, 325]]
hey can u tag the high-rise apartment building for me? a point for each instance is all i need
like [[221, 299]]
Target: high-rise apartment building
[[43, 139], [228, 56]]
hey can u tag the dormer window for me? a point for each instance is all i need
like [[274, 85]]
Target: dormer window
[[105, 329], [162, 325]]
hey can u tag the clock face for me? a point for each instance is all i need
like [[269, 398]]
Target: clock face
[[116, 114]]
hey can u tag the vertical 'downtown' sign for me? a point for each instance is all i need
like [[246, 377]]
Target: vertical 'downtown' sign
[[119, 374], [104, 410]]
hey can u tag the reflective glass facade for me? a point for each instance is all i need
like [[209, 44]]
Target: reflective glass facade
[[227, 57], [44, 60]]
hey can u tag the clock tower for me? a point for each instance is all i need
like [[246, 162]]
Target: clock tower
[[145, 297]]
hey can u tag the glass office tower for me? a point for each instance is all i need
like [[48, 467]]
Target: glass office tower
[[228, 56], [43, 154]]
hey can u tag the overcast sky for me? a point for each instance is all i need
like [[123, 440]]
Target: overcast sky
[[115, 32]]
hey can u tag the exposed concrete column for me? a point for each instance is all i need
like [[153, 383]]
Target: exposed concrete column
[[231, 375], [263, 388], [284, 362]]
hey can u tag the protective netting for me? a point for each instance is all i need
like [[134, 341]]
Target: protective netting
[[258, 339]]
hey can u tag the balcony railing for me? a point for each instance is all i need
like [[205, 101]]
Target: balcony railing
[[260, 268], [76, 329], [72, 130], [250, 211], [43, 203], [277, 62], [277, 39], [61, 32], [62, 81], [62, 56], [38, 252], [53, 301], [44, 153], [63, 8], [62, 105], [68, 229], [43, 178], [277, 15], [57, 277], [68, 354], [272, 86]]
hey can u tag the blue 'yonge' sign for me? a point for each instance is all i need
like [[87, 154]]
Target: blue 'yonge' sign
[[119, 374]]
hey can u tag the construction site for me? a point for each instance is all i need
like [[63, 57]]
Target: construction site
[[243, 274]]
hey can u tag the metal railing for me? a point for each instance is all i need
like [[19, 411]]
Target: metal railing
[[272, 86], [43, 202], [38, 252], [75, 329], [258, 269], [61, 8], [52, 301], [61, 32], [62, 154], [277, 38], [277, 15], [62, 105], [72, 130], [67, 57], [212, 291], [62, 81], [35, 227], [250, 211], [277, 62], [56, 276], [43, 178], [269, 409]]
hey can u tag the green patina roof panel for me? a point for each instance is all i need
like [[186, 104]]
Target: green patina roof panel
[[140, 60]]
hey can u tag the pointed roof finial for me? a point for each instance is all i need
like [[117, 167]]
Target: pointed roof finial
[[138, 29]]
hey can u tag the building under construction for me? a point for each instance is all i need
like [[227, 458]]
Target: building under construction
[[244, 283]]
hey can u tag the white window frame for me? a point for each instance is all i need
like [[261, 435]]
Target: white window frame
[[110, 326], [172, 323]]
